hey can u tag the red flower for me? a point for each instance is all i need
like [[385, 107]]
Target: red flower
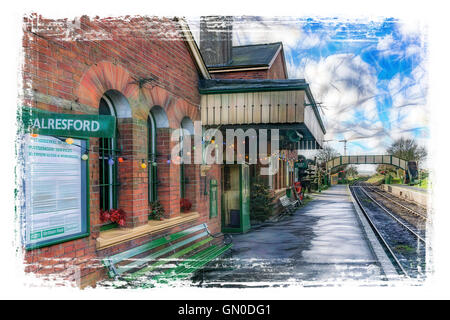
[[185, 204], [113, 215], [104, 215]]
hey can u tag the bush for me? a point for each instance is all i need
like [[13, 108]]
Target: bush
[[157, 210], [261, 202], [396, 181], [376, 179]]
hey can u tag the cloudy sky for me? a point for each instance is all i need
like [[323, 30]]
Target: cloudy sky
[[369, 75]]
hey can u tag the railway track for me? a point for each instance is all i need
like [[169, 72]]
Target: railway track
[[403, 241], [413, 208]]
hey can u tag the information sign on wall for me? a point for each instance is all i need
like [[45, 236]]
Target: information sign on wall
[[55, 190], [78, 125]]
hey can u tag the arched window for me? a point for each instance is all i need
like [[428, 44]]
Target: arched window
[[187, 129], [182, 167], [151, 138], [107, 161]]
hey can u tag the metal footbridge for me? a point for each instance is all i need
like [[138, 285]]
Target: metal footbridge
[[368, 159]]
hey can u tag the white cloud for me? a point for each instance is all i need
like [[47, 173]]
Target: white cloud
[[346, 86], [385, 43], [411, 28], [409, 104], [266, 30]]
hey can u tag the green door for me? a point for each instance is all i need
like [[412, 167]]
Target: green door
[[235, 198], [213, 198], [245, 197]]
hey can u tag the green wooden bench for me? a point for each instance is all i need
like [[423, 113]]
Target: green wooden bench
[[192, 256]]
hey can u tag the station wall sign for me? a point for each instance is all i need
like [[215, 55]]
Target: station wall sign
[[55, 188], [74, 125]]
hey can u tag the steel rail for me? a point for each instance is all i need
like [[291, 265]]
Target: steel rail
[[377, 232], [395, 218], [398, 203]]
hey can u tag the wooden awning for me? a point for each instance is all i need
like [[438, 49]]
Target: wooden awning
[[286, 107]]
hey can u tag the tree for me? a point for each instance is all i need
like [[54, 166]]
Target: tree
[[327, 153], [385, 168], [351, 171], [407, 149], [261, 201]]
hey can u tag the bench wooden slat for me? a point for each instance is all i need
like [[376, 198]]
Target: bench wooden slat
[[151, 245], [178, 254], [173, 272], [205, 259], [158, 257], [153, 256], [194, 263]]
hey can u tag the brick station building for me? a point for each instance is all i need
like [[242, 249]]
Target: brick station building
[[147, 74]]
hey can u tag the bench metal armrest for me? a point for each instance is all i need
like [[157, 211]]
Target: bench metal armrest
[[227, 238], [112, 269]]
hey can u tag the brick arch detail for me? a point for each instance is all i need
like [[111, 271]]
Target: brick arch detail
[[102, 77], [182, 109], [176, 108]]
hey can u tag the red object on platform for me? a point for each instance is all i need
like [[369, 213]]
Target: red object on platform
[[298, 187]]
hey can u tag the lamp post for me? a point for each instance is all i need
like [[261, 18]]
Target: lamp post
[[345, 145]]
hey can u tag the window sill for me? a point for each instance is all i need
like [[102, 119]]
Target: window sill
[[279, 192], [113, 237]]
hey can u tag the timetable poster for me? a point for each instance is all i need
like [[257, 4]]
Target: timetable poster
[[54, 190]]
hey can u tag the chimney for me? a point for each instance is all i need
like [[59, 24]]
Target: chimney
[[216, 39]]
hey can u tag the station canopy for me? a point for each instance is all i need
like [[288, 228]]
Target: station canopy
[[287, 105]]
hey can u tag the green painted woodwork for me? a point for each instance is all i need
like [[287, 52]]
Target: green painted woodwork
[[213, 198], [108, 181], [87, 195], [245, 197], [206, 255], [68, 125], [192, 264], [391, 161], [152, 244], [152, 164], [239, 180], [177, 255], [141, 261]]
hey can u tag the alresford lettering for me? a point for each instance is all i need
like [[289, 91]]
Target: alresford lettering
[[79, 125], [66, 124], [189, 310]]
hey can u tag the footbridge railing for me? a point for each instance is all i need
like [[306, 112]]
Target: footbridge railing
[[367, 159]]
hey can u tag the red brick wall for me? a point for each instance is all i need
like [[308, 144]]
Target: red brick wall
[[67, 68], [146, 47], [277, 71]]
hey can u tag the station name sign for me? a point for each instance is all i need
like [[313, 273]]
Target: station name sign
[[49, 123]]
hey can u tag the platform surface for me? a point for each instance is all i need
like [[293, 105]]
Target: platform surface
[[411, 193], [413, 188], [321, 243]]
